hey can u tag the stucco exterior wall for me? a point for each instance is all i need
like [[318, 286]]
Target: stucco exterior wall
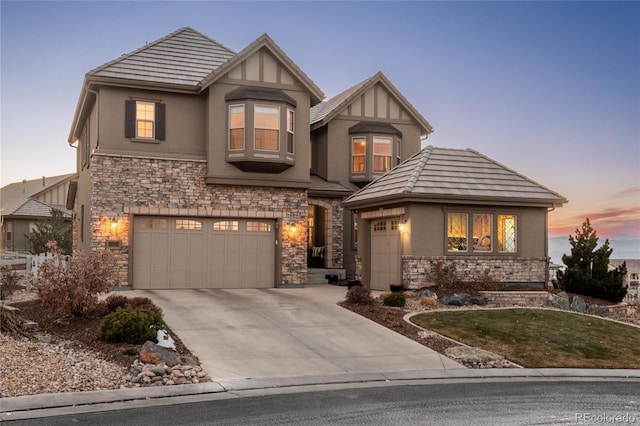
[[123, 187], [185, 124]]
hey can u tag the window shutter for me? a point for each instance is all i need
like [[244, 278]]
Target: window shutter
[[130, 119], [160, 121]]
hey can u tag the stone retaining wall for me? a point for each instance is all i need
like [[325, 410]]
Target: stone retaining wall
[[517, 298]]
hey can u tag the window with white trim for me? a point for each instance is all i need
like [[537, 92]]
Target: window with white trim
[[266, 121], [358, 154], [381, 154], [145, 120], [236, 127], [290, 130]]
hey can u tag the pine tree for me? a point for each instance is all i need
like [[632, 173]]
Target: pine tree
[[53, 228], [588, 271]]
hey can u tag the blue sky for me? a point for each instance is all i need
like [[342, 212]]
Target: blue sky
[[549, 89]]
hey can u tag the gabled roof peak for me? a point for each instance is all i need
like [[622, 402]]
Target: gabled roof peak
[[324, 112]]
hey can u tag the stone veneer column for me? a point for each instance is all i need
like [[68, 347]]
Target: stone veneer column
[[122, 186]]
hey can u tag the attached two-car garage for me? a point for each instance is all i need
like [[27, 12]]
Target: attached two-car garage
[[183, 252]]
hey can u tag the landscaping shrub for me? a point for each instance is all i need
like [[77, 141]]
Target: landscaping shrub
[[443, 275], [75, 289], [359, 295], [395, 299], [9, 282], [145, 303], [115, 301], [130, 325]]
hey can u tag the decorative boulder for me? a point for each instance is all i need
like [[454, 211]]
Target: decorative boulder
[[458, 299], [559, 301], [150, 353], [425, 292], [578, 304], [478, 300]]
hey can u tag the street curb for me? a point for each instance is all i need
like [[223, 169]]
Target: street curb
[[75, 399]]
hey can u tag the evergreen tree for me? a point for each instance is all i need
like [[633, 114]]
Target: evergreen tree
[[53, 228], [588, 271]]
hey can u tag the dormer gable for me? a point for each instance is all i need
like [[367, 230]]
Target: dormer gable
[[264, 62], [375, 98]]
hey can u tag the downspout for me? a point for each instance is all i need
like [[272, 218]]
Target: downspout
[[546, 244], [97, 116]]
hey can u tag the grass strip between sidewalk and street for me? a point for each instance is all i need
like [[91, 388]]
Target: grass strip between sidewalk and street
[[538, 338]]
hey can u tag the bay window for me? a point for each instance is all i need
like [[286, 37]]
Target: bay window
[[260, 129]]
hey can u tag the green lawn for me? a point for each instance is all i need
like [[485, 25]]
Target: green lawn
[[537, 338]]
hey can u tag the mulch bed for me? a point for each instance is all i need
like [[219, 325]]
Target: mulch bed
[[392, 318], [84, 333]]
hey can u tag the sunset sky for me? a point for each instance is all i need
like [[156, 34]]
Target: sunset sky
[[549, 89]]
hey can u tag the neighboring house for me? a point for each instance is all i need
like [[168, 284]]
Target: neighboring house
[[23, 204], [453, 206], [201, 167], [632, 277]]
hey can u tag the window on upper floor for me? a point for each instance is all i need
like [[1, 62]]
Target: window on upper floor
[[358, 154], [236, 127], [373, 147], [261, 129], [144, 120], [267, 127], [381, 154], [291, 116], [473, 232]]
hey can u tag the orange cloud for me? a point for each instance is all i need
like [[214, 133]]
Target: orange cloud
[[634, 190], [607, 223]]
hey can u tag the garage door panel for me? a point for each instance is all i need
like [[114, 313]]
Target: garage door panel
[[204, 253]]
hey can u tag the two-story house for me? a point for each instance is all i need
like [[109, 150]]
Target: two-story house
[[201, 167], [23, 204]]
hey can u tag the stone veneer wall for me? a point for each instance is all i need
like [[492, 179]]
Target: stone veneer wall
[[333, 230], [124, 185], [502, 269]]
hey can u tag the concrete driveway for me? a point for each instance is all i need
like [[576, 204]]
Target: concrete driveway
[[285, 332]]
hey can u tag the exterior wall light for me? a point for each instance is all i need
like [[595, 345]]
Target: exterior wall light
[[403, 224], [114, 225]]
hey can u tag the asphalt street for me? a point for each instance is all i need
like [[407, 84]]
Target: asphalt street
[[450, 402]]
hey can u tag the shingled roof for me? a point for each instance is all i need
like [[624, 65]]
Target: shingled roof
[[18, 198], [454, 176], [184, 57]]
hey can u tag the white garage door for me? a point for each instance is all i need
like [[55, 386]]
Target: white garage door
[[385, 253], [171, 252]]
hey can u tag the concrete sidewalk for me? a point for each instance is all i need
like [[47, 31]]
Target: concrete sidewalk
[[266, 333]]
